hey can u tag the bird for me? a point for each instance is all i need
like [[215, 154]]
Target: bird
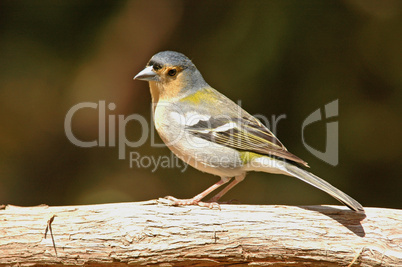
[[210, 132]]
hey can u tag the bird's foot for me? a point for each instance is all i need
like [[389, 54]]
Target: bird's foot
[[172, 201]]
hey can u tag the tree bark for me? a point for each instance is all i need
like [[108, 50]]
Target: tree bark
[[147, 233]]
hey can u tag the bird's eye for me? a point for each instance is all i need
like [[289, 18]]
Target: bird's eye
[[172, 72], [157, 66]]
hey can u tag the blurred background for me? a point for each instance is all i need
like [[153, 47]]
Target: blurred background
[[277, 57]]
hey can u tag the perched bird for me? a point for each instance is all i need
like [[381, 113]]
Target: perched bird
[[210, 132]]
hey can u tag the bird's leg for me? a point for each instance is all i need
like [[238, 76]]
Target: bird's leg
[[236, 180], [197, 199]]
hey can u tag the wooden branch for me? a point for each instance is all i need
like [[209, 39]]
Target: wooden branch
[[146, 233]]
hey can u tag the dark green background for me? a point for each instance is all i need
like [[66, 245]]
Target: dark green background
[[277, 57]]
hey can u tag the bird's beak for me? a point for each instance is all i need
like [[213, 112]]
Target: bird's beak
[[146, 74]]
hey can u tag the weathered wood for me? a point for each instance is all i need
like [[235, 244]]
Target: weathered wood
[[146, 233]]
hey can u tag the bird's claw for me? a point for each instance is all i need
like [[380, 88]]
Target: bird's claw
[[172, 201]]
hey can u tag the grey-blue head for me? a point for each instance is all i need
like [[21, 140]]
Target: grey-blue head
[[171, 68]]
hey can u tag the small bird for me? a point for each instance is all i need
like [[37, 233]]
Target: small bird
[[210, 132]]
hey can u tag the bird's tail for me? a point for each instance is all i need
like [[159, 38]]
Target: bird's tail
[[323, 185]]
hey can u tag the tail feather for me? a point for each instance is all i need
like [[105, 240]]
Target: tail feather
[[324, 186]]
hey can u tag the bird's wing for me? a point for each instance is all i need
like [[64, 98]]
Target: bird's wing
[[245, 134]]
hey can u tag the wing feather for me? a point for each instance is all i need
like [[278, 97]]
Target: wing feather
[[247, 134]]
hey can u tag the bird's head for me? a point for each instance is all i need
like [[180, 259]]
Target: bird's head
[[171, 73]]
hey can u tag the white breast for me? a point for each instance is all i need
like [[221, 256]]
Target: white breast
[[171, 123]]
